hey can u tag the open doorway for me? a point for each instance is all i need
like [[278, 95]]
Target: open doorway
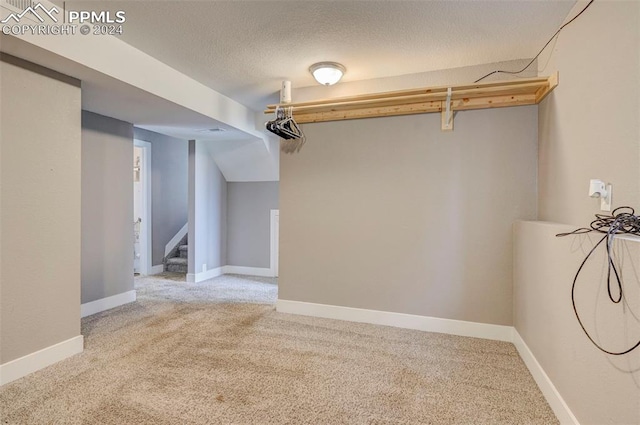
[[141, 207]]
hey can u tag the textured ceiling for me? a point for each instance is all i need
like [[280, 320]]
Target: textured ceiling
[[244, 49]]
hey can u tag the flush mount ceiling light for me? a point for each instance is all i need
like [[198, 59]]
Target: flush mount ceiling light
[[327, 73]]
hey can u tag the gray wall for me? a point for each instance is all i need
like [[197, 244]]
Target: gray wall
[[581, 136], [207, 211], [443, 77], [169, 188], [599, 389], [249, 208], [107, 207], [393, 214], [40, 214]]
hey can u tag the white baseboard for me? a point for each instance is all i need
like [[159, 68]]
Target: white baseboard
[[93, 307], [219, 271], [249, 271], [399, 320], [156, 269], [209, 274], [33, 362], [555, 400]]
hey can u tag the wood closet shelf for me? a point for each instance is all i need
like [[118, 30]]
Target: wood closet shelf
[[498, 94]]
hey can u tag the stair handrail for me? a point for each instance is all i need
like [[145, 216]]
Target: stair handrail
[[176, 239]]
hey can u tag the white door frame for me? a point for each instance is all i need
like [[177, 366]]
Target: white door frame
[[145, 225], [275, 242]]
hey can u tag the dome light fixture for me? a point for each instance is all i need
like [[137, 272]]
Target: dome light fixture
[[327, 73]]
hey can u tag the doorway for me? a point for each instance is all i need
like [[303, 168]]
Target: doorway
[[141, 207]]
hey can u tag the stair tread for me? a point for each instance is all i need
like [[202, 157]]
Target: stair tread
[[177, 260], [183, 247], [176, 268]]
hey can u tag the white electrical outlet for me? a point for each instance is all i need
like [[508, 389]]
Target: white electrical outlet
[[204, 267], [599, 189]]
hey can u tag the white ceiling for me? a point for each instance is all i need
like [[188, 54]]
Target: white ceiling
[[244, 49], [108, 96]]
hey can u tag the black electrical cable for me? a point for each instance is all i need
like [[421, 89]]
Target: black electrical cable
[[622, 220], [540, 52]]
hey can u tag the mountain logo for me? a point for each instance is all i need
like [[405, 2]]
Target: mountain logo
[[33, 10]]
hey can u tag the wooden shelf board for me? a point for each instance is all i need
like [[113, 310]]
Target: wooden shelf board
[[372, 112], [499, 94]]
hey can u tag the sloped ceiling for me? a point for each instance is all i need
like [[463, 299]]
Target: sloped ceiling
[[246, 160]]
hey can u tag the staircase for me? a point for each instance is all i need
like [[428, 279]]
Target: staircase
[[177, 259]]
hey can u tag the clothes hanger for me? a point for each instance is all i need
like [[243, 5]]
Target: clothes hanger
[[285, 126]]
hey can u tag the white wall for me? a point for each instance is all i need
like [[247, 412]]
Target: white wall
[[40, 196], [207, 211]]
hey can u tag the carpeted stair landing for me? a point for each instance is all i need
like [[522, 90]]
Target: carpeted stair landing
[[216, 352]]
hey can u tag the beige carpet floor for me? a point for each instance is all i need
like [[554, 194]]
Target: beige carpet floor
[[217, 353]]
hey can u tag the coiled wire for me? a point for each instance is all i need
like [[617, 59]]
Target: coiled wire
[[621, 221]]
